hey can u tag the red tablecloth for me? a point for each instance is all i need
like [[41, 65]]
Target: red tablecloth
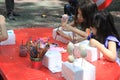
[[14, 67]]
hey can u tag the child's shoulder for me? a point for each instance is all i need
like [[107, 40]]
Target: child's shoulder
[[112, 38]]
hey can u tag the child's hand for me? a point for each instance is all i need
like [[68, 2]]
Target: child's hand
[[60, 32], [93, 42], [64, 20]]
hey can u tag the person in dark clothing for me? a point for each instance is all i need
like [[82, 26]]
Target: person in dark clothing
[[70, 8], [10, 9]]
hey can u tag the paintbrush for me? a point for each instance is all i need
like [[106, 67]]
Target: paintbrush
[[44, 50]]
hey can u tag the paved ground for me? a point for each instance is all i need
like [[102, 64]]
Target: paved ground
[[31, 11]]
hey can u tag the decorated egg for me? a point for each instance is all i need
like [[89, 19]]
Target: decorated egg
[[76, 52], [70, 48], [82, 46], [83, 52], [65, 17], [71, 58]]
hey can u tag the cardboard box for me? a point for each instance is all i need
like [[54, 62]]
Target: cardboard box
[[52, 60], [11, 38], [79, 70], [59, 38]]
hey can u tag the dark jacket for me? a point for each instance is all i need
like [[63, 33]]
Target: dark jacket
[[73, 2]]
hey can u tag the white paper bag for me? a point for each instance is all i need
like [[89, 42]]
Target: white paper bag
[[89, 70], [52, 60], [59, 38], [71, 72], [79, 70], [11, 38]]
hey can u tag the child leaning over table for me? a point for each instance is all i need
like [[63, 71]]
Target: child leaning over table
[[81, 22], [104, 32]]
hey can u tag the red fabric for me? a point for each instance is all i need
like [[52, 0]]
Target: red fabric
[[14, 67], [104, 5]]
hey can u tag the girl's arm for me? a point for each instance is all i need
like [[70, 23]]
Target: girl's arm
[[70, 27], [75, 30], [109, 53], [71, 38], [60, 32], [71, 23]]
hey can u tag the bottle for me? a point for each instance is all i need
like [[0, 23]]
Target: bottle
[[22, 50]]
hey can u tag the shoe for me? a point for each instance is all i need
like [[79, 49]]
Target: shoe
[[11, 17], [16, 14]]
